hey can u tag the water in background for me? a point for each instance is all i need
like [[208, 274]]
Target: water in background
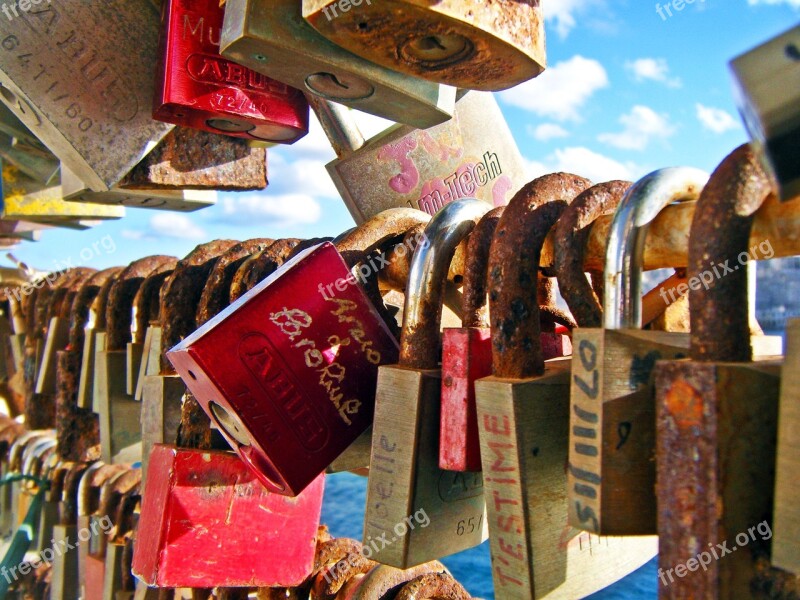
[[343, 513]]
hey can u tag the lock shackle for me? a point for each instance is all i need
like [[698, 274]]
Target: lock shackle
[[97, 311], [41, 310], [60, 299], [514, 273], [475, 305], [147, 302], [89, 488], [338, 124], [216, 293], [181, 293], [570, 237], [259, 266], [719, 235], [378, 230], [119, 307], [123, 519], [81, 304], [115, 488], [18, 446], [420, 343], [622, 297], [56, 471], [34, 454], [68, 511]]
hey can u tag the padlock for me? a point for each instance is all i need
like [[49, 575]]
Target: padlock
[[120, 415], [785, 549], [272, 38], [523, 419], [287, 405], [766, 82], [382, 581], [10, 431], [717, 413], [259, 266], [117, 511], [206, 521], [471, 155], [38, 164], [75, 190], [53, 472], [467, 356], [197, 87], [405, 478], [33, 459], [91, 567], [612, 475], [199, 160], [24, 198], [86, 96], [64, 579], [467, 44], [19, 502]]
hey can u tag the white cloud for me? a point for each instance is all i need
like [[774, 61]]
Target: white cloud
[[561, 91], [174, 225], [261, 208], [792, 3], [640, 126], [653, 69], [716, 119], [561, 14], [548, 131], [586, 163], [132, 234]]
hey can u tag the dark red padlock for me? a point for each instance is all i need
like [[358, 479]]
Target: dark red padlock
[[196, 87], [467, 356], [288, 372], [206, 521]]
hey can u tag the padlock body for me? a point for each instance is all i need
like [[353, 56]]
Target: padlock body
[[467, 357], [471, 155], [64, 580], [161, 413], [524, 427], [481, 45], [301, 351], [613, 428], [717, 428], [786, 541], [119, 414], [206, 521], [198, 88], [405, 482]]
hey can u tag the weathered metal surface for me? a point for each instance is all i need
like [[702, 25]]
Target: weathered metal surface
[[199, 160], [80, 77], [273, 39], [259, 266], [469, 44], [434, 586]]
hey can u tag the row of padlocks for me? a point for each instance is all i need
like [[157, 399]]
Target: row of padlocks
[[182, 414]]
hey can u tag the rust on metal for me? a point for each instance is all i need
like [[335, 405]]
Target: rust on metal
[[378, 230], [720, 232], [79, 311], [570, 236], [260, 266], [77, 429], [68, 509], [513, 272], [194, 159], [433, 586], [475, 307], [121, 295], [147, 302], [216, 294], [181, 293]]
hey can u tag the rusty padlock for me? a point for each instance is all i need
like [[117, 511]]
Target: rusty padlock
[[785, 549], [261, 265], [467, 356], [118, 508], [405, 478], [471, 155], [289, 407], [20, 502], [766, 82], [468, 44], [611, 475], [717, 413], [64, 583], [120, 415], [85, 95], [523, 418], [272, 38], [383, 580], [196, 87]]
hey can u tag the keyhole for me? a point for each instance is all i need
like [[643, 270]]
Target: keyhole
[[536, 451], [337, 87], [433, 51], [793, 52], [624, 431], [229, 424]]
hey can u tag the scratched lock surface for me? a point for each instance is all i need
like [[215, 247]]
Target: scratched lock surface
[[295, 366]]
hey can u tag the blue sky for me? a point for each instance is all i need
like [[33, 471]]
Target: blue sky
[[626, 92]]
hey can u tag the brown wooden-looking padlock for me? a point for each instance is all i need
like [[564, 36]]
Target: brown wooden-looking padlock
[[464, 43], [717, 413], [523, 417]]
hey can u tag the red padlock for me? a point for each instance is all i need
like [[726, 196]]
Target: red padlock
[[198, 88], [302, 351], [206, 521], [467, 355]]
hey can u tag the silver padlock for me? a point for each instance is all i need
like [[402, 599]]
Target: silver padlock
[[79, 75]]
